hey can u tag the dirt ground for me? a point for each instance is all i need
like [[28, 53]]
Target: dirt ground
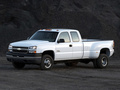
[[61, 77]]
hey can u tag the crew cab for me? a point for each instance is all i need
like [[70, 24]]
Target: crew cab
[[49, 46]]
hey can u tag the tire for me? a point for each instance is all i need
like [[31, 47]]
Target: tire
[[46, 62], [18, 65], [101, 62], [70, 64]]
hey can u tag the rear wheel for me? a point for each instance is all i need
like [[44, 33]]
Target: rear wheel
[[46, 62], [101, 62], [18, 65]]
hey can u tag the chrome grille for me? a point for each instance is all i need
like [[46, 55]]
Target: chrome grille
[[20, 49]]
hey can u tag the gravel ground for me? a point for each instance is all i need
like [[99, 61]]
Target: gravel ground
[[61, 77]]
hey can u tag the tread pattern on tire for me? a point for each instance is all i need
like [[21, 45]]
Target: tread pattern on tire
[[42, 66], [98, 63], [18, 65]]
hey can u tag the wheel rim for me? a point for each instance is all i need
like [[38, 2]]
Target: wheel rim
[[47, 63], [104, 61]]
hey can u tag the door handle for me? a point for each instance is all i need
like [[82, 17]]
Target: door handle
[[70, 45]]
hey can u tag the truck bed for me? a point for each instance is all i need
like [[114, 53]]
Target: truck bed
[[93, 40], [91, 47]]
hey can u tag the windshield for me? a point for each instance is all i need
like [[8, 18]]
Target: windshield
[[45, 35]]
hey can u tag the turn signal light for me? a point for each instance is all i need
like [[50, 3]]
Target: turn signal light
[[34, 51]]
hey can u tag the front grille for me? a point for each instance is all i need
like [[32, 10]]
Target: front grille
[[20, 49], [14, 47]]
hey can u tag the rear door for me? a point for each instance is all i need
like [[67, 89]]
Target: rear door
[[77, 45], [64, 50]]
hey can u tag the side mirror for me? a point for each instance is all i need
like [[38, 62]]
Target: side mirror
[[61, 41], [28, 38]]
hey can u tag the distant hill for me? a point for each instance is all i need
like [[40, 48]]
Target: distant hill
[[99, 19]]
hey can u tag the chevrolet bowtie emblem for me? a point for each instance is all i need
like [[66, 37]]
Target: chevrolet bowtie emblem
[[18, 48]]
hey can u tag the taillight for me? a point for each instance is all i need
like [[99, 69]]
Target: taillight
[[113, 44]]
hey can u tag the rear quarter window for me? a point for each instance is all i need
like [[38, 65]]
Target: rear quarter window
[[75, 37]]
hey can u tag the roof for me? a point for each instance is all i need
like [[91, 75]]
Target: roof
[[57, 30]]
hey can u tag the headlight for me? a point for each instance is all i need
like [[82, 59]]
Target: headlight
[[10, 48], [33, 47]]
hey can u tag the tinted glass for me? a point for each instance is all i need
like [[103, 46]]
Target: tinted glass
[[65, 36], [44, 35], [75, 37]]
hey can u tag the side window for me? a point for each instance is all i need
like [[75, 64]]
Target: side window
[[75, 37], [65, 36]]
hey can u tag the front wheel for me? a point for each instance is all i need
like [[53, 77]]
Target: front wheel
[[101, 62], [18, 65], [46, 62]]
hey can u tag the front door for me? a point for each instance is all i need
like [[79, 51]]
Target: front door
[[64, 49]]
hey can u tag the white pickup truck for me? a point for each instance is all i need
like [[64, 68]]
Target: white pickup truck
[[49, 46]]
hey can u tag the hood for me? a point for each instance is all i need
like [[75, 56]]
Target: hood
[[27, 43]]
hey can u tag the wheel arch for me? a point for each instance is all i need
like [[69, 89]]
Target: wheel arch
[[105, 51], [49, 52]]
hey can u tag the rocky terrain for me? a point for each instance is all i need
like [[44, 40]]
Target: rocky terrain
[[99, 19]]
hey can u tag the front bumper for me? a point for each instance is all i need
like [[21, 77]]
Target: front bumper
[[27, 58]]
